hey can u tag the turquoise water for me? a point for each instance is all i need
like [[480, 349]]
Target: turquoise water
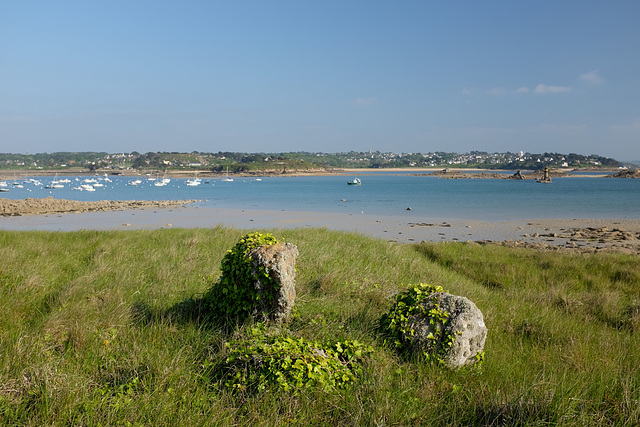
[[380, 194]]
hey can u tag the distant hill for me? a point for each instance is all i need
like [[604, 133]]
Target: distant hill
[[236, 162]]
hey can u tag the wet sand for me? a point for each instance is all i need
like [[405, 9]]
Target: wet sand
[[622, 235]]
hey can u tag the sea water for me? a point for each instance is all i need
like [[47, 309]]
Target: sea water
[[380, 194]]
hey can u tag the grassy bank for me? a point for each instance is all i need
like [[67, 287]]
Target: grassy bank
[[106, 328]]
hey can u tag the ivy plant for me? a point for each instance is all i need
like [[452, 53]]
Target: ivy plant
[[418, 301], [279, 359], [233, 295]]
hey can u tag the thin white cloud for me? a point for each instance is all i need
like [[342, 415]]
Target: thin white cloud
[[17, 120], [366, 101], [522, 90], [592, 78], [563, 128], [542, 88], [496, 91], [627, 127]]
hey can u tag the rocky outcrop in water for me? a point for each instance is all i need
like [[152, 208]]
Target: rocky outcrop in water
[[455, 174], [627, 173]]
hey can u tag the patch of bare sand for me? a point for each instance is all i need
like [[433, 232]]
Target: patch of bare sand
[[586, 235]]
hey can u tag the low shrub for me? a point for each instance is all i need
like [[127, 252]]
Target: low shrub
[[267, 358]]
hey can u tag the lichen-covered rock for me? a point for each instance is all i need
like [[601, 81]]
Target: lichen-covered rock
[[460, 325], [278, 261]]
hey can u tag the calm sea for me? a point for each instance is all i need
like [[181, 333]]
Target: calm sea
[[379, 194]]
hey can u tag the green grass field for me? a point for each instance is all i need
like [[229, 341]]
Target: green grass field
[[107, 328]]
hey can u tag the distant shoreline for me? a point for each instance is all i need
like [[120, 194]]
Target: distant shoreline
[[21, 174]]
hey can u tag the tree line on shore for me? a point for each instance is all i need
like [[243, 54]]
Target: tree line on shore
[[246, 162]]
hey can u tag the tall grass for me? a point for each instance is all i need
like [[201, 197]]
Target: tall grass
[[104, 328]]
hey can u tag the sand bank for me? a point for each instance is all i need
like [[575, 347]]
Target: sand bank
[[49, 205], [621, 235]]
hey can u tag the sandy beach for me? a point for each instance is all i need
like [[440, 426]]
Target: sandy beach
[[622, 235]]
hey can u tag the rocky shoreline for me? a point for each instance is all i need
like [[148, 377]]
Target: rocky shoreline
[[50, 205], [184, 174], [456, 174], [584, 239], [443, 173], [628, 173], [577, 235]]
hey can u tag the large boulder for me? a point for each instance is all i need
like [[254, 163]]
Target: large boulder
[[459, 333], [273, 270], [445, 328]]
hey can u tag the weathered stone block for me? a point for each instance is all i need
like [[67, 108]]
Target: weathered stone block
[[279, 263]]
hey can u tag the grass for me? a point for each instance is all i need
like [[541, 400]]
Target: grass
[[106, 328]]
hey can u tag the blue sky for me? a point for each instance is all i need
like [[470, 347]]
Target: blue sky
[[278, 76]]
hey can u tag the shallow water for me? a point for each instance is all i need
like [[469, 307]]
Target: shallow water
[[380, 194]]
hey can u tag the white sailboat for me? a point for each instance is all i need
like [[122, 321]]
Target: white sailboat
[[228, 179], [55, 183], [195, 181]]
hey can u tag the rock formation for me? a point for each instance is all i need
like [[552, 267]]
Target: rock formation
[[465, 324], [279, 263], [49, 205], [626, 173]]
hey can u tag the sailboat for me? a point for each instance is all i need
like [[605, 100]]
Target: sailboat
[[227, 178], [55, 183], [195, 181], [162, 182]]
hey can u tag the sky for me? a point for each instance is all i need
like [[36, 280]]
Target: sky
[[321, 76]]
